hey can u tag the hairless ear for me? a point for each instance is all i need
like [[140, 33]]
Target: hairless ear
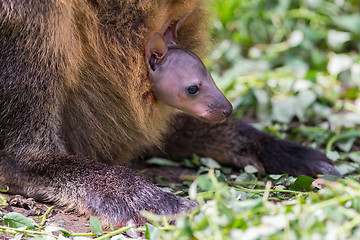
[[171, 33], [156, 50]]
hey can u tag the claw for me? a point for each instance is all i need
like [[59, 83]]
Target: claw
[[327, 169]]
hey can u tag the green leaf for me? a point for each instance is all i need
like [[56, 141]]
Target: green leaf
[[280, 187], [356, 204], [210, 163], [162, 162], [151, 233], [251, 169], [302, 183], [276, 176], [346, 145], [112, 227], [17, 220], [193, 190], [284, 111], [204, 183], [304, 99], [339, 63], [355, 156], [345, 168], [295, 38], [95, 226], [337, 39], [349, 22], [263, 103], [298, 66], [61, 237], [53, 228], [333, 155], [20, 236], [220, 176], [245, 177]]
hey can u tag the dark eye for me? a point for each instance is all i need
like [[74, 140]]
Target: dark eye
[[193, 90]]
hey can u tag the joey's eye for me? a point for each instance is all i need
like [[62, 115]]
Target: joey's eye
[[193, 90]]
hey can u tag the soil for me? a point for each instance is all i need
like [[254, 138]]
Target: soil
[[76, 223], [28, 207]]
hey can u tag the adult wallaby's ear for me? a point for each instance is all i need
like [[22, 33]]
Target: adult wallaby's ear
[[156, 51], [171, 33]]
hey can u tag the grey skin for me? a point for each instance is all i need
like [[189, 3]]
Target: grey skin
[[181, 81]]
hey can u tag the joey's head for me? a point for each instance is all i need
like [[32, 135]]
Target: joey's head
[[181, 80]]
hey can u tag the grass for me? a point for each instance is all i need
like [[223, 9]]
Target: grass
[[294, 68]]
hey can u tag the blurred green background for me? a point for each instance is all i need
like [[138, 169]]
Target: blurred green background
[[293, 68]]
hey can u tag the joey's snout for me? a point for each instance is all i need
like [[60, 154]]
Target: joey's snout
[[214, 108], [217, 111]]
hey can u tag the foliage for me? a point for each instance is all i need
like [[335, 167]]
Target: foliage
[[331, 213], [22, 227], [260, 209], [293, 66]]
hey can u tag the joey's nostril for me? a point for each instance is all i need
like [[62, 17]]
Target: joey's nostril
[[227, 110], [226, 113]]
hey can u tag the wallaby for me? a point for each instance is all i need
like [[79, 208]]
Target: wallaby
[[81, 95]]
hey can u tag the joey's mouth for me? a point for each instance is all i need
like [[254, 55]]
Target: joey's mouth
[[211, 118], [215, 115]]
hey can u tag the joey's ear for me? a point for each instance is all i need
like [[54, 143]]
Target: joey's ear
[[171, 33], [156, 51]]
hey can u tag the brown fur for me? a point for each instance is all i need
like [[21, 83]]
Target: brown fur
[[103, 88], [75, 92]]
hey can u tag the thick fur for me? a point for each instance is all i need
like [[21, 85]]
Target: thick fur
[[76, 103]]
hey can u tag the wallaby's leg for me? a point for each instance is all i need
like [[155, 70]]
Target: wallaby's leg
[[238, 144], [114, 193]]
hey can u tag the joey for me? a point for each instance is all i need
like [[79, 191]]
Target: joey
[[181, 80]]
